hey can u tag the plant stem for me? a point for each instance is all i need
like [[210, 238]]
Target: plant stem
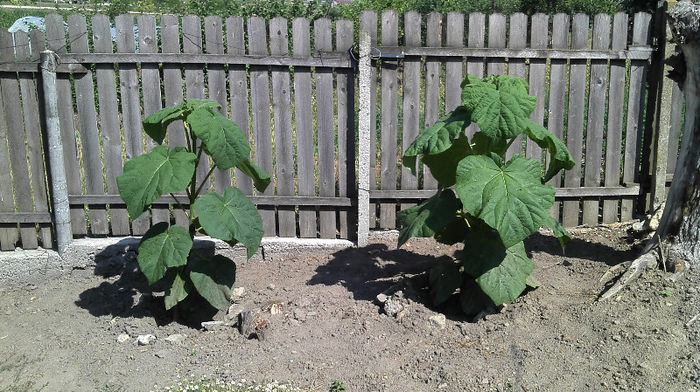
[[189, 135], [178, 203], [204, 181]]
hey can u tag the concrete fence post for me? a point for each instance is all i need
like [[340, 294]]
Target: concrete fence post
[[364, 134], [59, 189]]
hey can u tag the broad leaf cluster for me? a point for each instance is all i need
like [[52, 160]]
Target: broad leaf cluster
[[498, 203], [165, 252]]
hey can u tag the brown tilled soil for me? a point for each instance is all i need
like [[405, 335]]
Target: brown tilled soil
[[323, 323]]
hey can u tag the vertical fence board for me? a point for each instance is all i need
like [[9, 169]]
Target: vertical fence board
[[214, 44], [172, 87], [56, 39], [8, 231], [636, 97], [284, 164], [539, 39], [368, 23], [238, 87], [304, 126], [575, 121], [260, 102], [194, 83], [345, 81], [453, 66], [32, 125], [497, 39], [433, 69], [87, 124], [557, 90], [325, 125], [616, 102], [389, 117], [131, 104], [517, 39], [475, 65], [109, 121], [411, 97], [152, 98], [596, 116]]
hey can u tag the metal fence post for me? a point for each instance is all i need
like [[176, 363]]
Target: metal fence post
[[59, 189], [364, 135]]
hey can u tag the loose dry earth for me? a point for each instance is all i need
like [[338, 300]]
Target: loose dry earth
[[63, 334]]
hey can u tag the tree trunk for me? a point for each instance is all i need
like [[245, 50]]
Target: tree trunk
[[679, 229]]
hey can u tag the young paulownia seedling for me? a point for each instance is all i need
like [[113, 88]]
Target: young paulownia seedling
[[488, 202], [165, 252]]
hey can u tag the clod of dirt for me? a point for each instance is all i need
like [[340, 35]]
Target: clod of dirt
[[176, 338], [145, 340], [212, 325], [251, 324], [438, 320], [123, 338]]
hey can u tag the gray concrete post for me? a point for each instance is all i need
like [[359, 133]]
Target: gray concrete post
[[364, 134], [59, 189]]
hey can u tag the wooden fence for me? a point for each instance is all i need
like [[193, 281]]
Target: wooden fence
[[295, 96]]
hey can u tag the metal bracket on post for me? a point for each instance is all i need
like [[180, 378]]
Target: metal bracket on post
[[59, 189], [364, 135]]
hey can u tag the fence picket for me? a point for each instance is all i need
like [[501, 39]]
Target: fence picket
[[172, 87], [325, 124], [411, 97], [87, 121], [616, 100], [475, 65], [539, 38], [517, 39], [56, 40], [433, 70], [260, 102], [281, 104], [389, 117], [33, 126], [453, 66], [345, 81], [131, 104], [304, 126], [596, 116], [497, 39]]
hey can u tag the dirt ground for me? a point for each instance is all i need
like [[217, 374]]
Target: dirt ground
[[324, 323]]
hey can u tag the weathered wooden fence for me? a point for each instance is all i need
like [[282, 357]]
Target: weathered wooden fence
[[295, 96]]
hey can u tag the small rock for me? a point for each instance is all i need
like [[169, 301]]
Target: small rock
[[392, 307], [616, 338], [271, 286], [237, 293], [438, 320], [251, 324], [145, 340], [273, 307], [212, 325], [638, 226], [123, 338], [381, 297], [160, 354], [176, 338], [691, 290], [233, 311]]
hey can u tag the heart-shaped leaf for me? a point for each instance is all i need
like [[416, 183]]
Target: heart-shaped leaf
[[443, 166], [559, 155], [163, 247], [498, 104], [230, 217], [153, 174], [213, 278], [156, 125], [222, 138], [179, 288], [500, 273], [425, 219], [511, 199]]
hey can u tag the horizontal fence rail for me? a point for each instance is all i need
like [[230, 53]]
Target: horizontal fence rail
[[291, 86]]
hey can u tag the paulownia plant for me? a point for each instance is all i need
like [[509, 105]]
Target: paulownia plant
[[484, 200], [165, 252]]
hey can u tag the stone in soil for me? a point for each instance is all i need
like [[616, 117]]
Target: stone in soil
[[176, 338], [123, 338], [145, 340], [438, 320], [212, 325], [392, 307], [251, 324]]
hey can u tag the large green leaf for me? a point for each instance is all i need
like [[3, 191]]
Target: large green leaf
[[559, 155], [222, 138], [178, 288], [559, 232], [511, 199], [213, 278], [425, 219], [260, 178], [437, 138], [163, 247], [443, 166], [501, 273], [498, 104], [153, 174], [156, 125], [444, 278], [230, 217]]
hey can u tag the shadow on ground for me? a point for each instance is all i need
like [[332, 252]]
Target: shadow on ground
[[130, 295], [579, 249]]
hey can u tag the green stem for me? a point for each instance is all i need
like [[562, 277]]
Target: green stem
[[204, 181], [178, 203], [189, 135]]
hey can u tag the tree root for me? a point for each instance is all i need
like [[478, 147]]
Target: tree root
[[632, 270]]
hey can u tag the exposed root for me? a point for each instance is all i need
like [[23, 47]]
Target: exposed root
[[632, 271]]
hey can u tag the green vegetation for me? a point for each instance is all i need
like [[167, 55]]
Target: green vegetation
[[206, 385], [165, 251], [499, 201]]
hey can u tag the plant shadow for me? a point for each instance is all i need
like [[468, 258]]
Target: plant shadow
[[580, 249], [130, 296]]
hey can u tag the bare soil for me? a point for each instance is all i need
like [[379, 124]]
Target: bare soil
[[62, 334]]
